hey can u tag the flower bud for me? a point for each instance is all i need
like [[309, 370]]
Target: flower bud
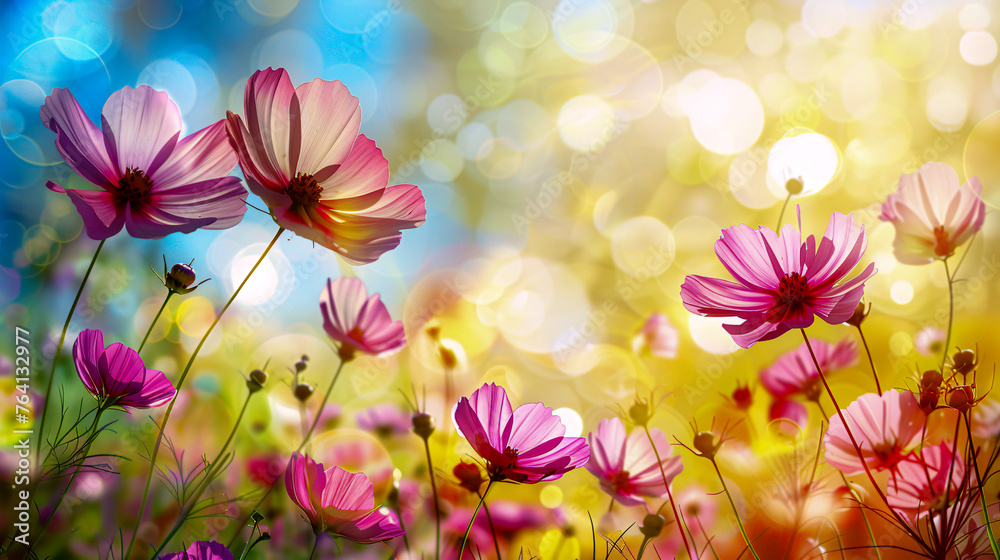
[[423, 424], [179, 279], [964, 361], [742, 397], [469, 476], [859, 315], [794, 185], [931, 380], [813, 389], [300, 366], [448, 357], [433, 329], [639, 412], [303, 391], [707, 444], [258, 378], [962, 397], [928, 400], [652, 525]]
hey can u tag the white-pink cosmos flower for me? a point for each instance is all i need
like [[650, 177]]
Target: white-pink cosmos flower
[[886, 427], [933, 213], [626, 465], [300, 151]]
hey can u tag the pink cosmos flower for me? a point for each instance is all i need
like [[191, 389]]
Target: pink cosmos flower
[[152, 181], [626, 466], [358, 322], [201, 550], [116, 375], [384, 419], [657, 335], [782, 282], [339, 502], [933, 213], [986, 419], [525, 445], [920, 483], [301, 152], [795, 372], [930, 341], [886, 427], [788, 416]]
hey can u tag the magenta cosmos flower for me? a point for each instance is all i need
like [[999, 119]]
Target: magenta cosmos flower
[[920, 483], [782, 282], [116, 375], [626, 466], [301, 153], [525, 445], [339, 502], [358, 322], [886, 427], [152, 181], [795, 372], [933, 213], [658, 336], [201, 550]]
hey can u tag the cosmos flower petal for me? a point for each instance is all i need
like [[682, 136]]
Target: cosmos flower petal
[[326, 118], [102, 216], [141, 128], [205, 155], [78, 141]]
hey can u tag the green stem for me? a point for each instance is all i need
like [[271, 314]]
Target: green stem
[[736, 512], [493, 531], [180, 383], [155, 319], [871, 534], [246, 547], [951, 314], [691, 551], [83, 457], [468, 529], [982, 495], [437, 507], [305, 439], [642, 548], [781, 215], [878, 386], [210, 474], [62, 340], [312, 553]]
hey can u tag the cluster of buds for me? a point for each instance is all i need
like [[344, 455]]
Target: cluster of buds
[[929, 395], [963, 396], [301, 389], [180, 278]]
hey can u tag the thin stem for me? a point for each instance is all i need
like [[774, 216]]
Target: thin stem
[[155, 319], [62, 340], [982, 495], [736, 512], [468, 529], [437, 507], [781, 215], [305, 439], [670, 496], [246, 547], [854, 442], [951, 314], [857, 498], [180, 383], [402, 523], [642, 547], [322, 405], [210, 474], [493, 531], [83, 457], [312, 553], [861, 333]]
